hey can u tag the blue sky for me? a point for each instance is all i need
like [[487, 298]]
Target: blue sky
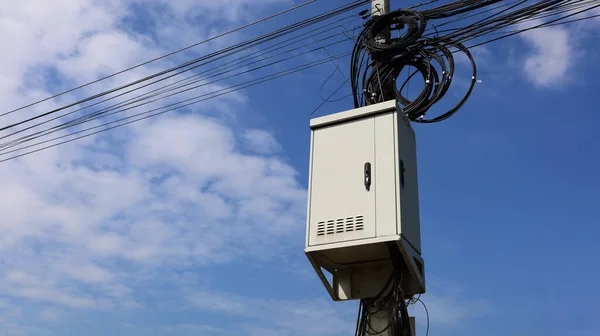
[[193, 223]]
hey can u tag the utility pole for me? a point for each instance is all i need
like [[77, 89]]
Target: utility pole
[[378, 8], [363, 225], [381, 319]]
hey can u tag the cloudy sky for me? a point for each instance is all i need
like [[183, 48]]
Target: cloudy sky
[[192, 223]]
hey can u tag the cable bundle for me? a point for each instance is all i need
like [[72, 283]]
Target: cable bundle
[[275, 54], [421, 43], [426, 41], [378, 81], [390, 299]]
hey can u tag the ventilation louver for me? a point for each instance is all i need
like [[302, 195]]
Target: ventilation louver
[[340, 225]]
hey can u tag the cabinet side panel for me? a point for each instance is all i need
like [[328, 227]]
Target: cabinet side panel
[[410, 226], [307, 238], [385, 175], [342, 207]]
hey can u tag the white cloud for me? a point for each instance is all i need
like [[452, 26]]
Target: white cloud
[[552, 56], [106, 244], [449, 307], [4, 304], [193, 328], [54, 296], [86, 273], [555, 51], [80, 221], [450, 310], [21, 278], [218, 302], [85, 224], [50, 314], [261, 142], [282, 317]]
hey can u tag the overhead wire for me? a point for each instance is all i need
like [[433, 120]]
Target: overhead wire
[[427, 41], [155, 112], [122, 108], [221, 72], [328, 99], [220, 35], [146, 98], [118, 109], [426, 314], [335, 70], [555, 22], [187, 65], [236, 62]]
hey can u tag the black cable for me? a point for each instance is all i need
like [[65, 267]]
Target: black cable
[[389, 297], [336, 70], [422, 4], [185, 67], [372, 81], [154, 112], [534, 27], [430, 50], [182, 85], [432, 56], [327, 100], [119, 108], [203, 75], [426, 313], [164, 56]]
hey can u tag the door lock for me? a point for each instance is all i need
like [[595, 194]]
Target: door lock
[[368, 176]]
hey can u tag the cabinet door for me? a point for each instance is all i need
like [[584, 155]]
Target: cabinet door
[[410, 226], [342, 204]]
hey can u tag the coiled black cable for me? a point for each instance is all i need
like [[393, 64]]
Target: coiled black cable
[[432, 59], [401, 40]]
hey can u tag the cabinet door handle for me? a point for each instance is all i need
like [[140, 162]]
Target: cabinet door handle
[[402, 170], [368, 176]]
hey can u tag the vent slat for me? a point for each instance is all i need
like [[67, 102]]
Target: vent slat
[[340, 225]]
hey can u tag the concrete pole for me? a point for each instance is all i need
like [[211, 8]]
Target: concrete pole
[[381, 319], [381, 7]]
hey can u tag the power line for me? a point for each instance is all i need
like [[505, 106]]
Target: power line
[[228, 67], [240, 46], [331, 95], [427, 315], [165, 56], [122, 108], [149, 114], [430, 53], [554, 22], [293, 46], [431, 50]]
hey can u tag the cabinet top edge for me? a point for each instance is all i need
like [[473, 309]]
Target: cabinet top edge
[[360, 112]]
